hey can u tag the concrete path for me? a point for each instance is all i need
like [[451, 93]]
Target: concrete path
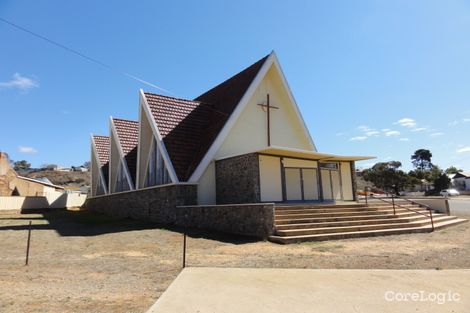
[[218, 290]]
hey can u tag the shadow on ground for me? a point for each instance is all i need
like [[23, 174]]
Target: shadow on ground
[[86, 223]]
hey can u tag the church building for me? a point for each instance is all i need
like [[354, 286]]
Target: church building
[[243, 141], [240, 159]]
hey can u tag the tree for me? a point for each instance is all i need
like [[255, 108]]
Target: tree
[[441, 182], [421, 159], [22, 165], [453, 170], [387, 176]]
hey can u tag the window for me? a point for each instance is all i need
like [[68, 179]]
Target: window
[[121, 183], [100, 188], [157, 174], [329, 165]]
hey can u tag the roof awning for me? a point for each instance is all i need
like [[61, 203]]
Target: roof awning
[[312, 155]]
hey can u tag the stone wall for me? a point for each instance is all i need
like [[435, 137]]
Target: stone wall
[[256, 220], [155, 203], [237, 179]]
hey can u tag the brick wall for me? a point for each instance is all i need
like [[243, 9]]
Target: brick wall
[[255, 219], [237, 179], [156, 203]]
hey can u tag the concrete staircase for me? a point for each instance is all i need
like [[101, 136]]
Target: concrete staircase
[[316, 222]]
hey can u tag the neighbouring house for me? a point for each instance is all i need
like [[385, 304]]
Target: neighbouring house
[[461, 181], [18, 192], [79, 169], [12, 184]]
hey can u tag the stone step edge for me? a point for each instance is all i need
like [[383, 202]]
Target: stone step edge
[[353, 228], [384, 220], [369, 233]]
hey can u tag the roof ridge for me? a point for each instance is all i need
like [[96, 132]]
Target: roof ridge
[[262, 60], [124, 119], [169, 97]]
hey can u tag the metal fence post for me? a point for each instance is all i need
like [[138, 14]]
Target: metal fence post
[[184, 249], [393, 203], [28, 244]]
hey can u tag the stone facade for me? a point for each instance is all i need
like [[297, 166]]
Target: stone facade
[[155, 203], [237, 179], [256, 220]]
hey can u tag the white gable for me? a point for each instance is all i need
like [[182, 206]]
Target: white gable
[[249, 132]]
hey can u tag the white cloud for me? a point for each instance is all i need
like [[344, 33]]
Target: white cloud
[[464, 149], [20, 82], [372, 133], [385, 129], [466, 120], [358, 138], [437, 134], [419, 129], [364, 128], [404, 139], [392, 133], [24, 149], [453, 123], [407, 122]]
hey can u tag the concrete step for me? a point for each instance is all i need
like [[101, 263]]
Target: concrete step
[[319, 206], [354, 222], [342, 210], [343, 218], [343, 213], [366, 233], [359, 228], [283, 208]]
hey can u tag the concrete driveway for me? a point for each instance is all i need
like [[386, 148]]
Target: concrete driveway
[[235, 290]]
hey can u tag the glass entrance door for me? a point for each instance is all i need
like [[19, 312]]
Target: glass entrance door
[[293, 184], [301, 184], [331, 184]]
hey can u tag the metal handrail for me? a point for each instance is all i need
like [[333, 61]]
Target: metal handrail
[[406, 208]]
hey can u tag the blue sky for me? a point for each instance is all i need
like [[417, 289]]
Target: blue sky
[[379, 78]]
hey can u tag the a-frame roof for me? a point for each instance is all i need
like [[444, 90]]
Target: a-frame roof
[[189, 127], [102, 148], [128, 136]]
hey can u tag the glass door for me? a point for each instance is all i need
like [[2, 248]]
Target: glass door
[[310, 183], [301, 184], [293, 184]]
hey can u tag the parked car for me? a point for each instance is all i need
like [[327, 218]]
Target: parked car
[[449, 193]]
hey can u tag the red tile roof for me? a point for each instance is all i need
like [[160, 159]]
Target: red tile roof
[[128, 137], [102, 147], [189, 127]]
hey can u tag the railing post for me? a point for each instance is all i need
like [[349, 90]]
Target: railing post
[[365, 194], [393, 203], [432, 222]]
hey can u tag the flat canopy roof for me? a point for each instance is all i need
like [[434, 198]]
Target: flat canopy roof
[[311, 155]]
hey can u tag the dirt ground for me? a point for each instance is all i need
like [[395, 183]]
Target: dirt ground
[[82, 262]]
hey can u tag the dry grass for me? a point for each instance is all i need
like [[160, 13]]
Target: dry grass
[[82, 262]]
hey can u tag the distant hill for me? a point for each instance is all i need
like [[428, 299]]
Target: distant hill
[[65, 179]]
